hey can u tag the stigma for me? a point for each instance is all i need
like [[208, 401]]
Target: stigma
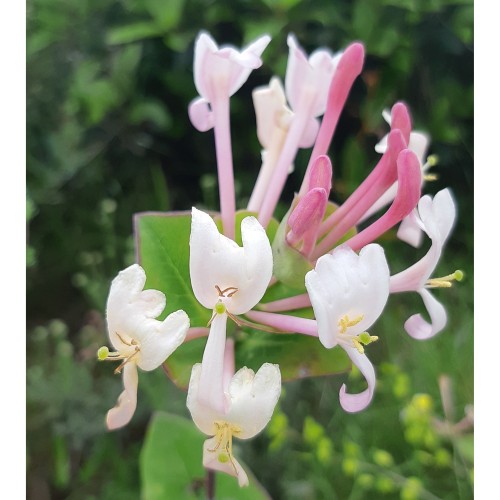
[[224, 442], [104, 354]]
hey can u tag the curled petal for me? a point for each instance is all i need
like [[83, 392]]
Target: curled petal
[[231, 466], [201, 115], [121, 414], [357, 402], [418, 328], [216, 260]]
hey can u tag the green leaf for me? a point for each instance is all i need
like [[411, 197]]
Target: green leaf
[[171, 464], [163, 251], [298, 356]]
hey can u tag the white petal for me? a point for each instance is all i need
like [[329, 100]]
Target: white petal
[[253, 398], [438, 214], [130, 316], [160, 339], [203, 416], [418, 328], [345, 284], [419, 144], [121, 414], [217, 260], [410, 231], [205, 46], [231, 467], [358, 402]]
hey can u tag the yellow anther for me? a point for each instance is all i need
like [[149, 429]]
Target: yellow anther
[[445, 281], [345, 322], [357, 344], [431, 177]]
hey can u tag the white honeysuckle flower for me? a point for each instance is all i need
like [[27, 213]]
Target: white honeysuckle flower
[[138, 338], [229, 280], [348, 293], [309, 77], [251, 399], [219, 73], [436, 217], [222, 271]]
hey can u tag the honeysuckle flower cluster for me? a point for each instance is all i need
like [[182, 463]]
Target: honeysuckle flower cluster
[[327, 258]]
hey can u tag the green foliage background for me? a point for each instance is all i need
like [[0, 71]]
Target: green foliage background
[[108, 135]]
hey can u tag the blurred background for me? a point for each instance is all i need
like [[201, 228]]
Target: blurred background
[[108, 85]]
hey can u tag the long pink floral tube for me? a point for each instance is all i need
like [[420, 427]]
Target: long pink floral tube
[[348, 69], [289, 324]]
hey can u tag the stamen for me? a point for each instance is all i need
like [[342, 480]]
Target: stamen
[[445, 281], [345, 322], [224, 434], [120, 368]]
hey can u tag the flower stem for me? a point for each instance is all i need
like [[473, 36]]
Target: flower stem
[[210, 484], [223, 151]]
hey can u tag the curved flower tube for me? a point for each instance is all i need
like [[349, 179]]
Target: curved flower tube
[[139, 339], [348, 293], [436, 217]]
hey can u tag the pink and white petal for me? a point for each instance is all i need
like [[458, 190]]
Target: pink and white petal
[[418, 328], [298, 72], [253, 398], [357, 402], [245, 62], [201, 115], [159, 339], [122, 413], [205, 47], [232, 467], [442, 212]]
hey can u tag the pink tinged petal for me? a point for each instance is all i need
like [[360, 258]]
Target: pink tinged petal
[[409, 182], [348, 69], [161, 339], [218, 260], [231, 467], [418, 328], [211, 385], [309, 133], [205, 46], [438, 216], [357, 402], [285, 322], [353, 209], [344, 283], [201, 115], [122, 413]]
